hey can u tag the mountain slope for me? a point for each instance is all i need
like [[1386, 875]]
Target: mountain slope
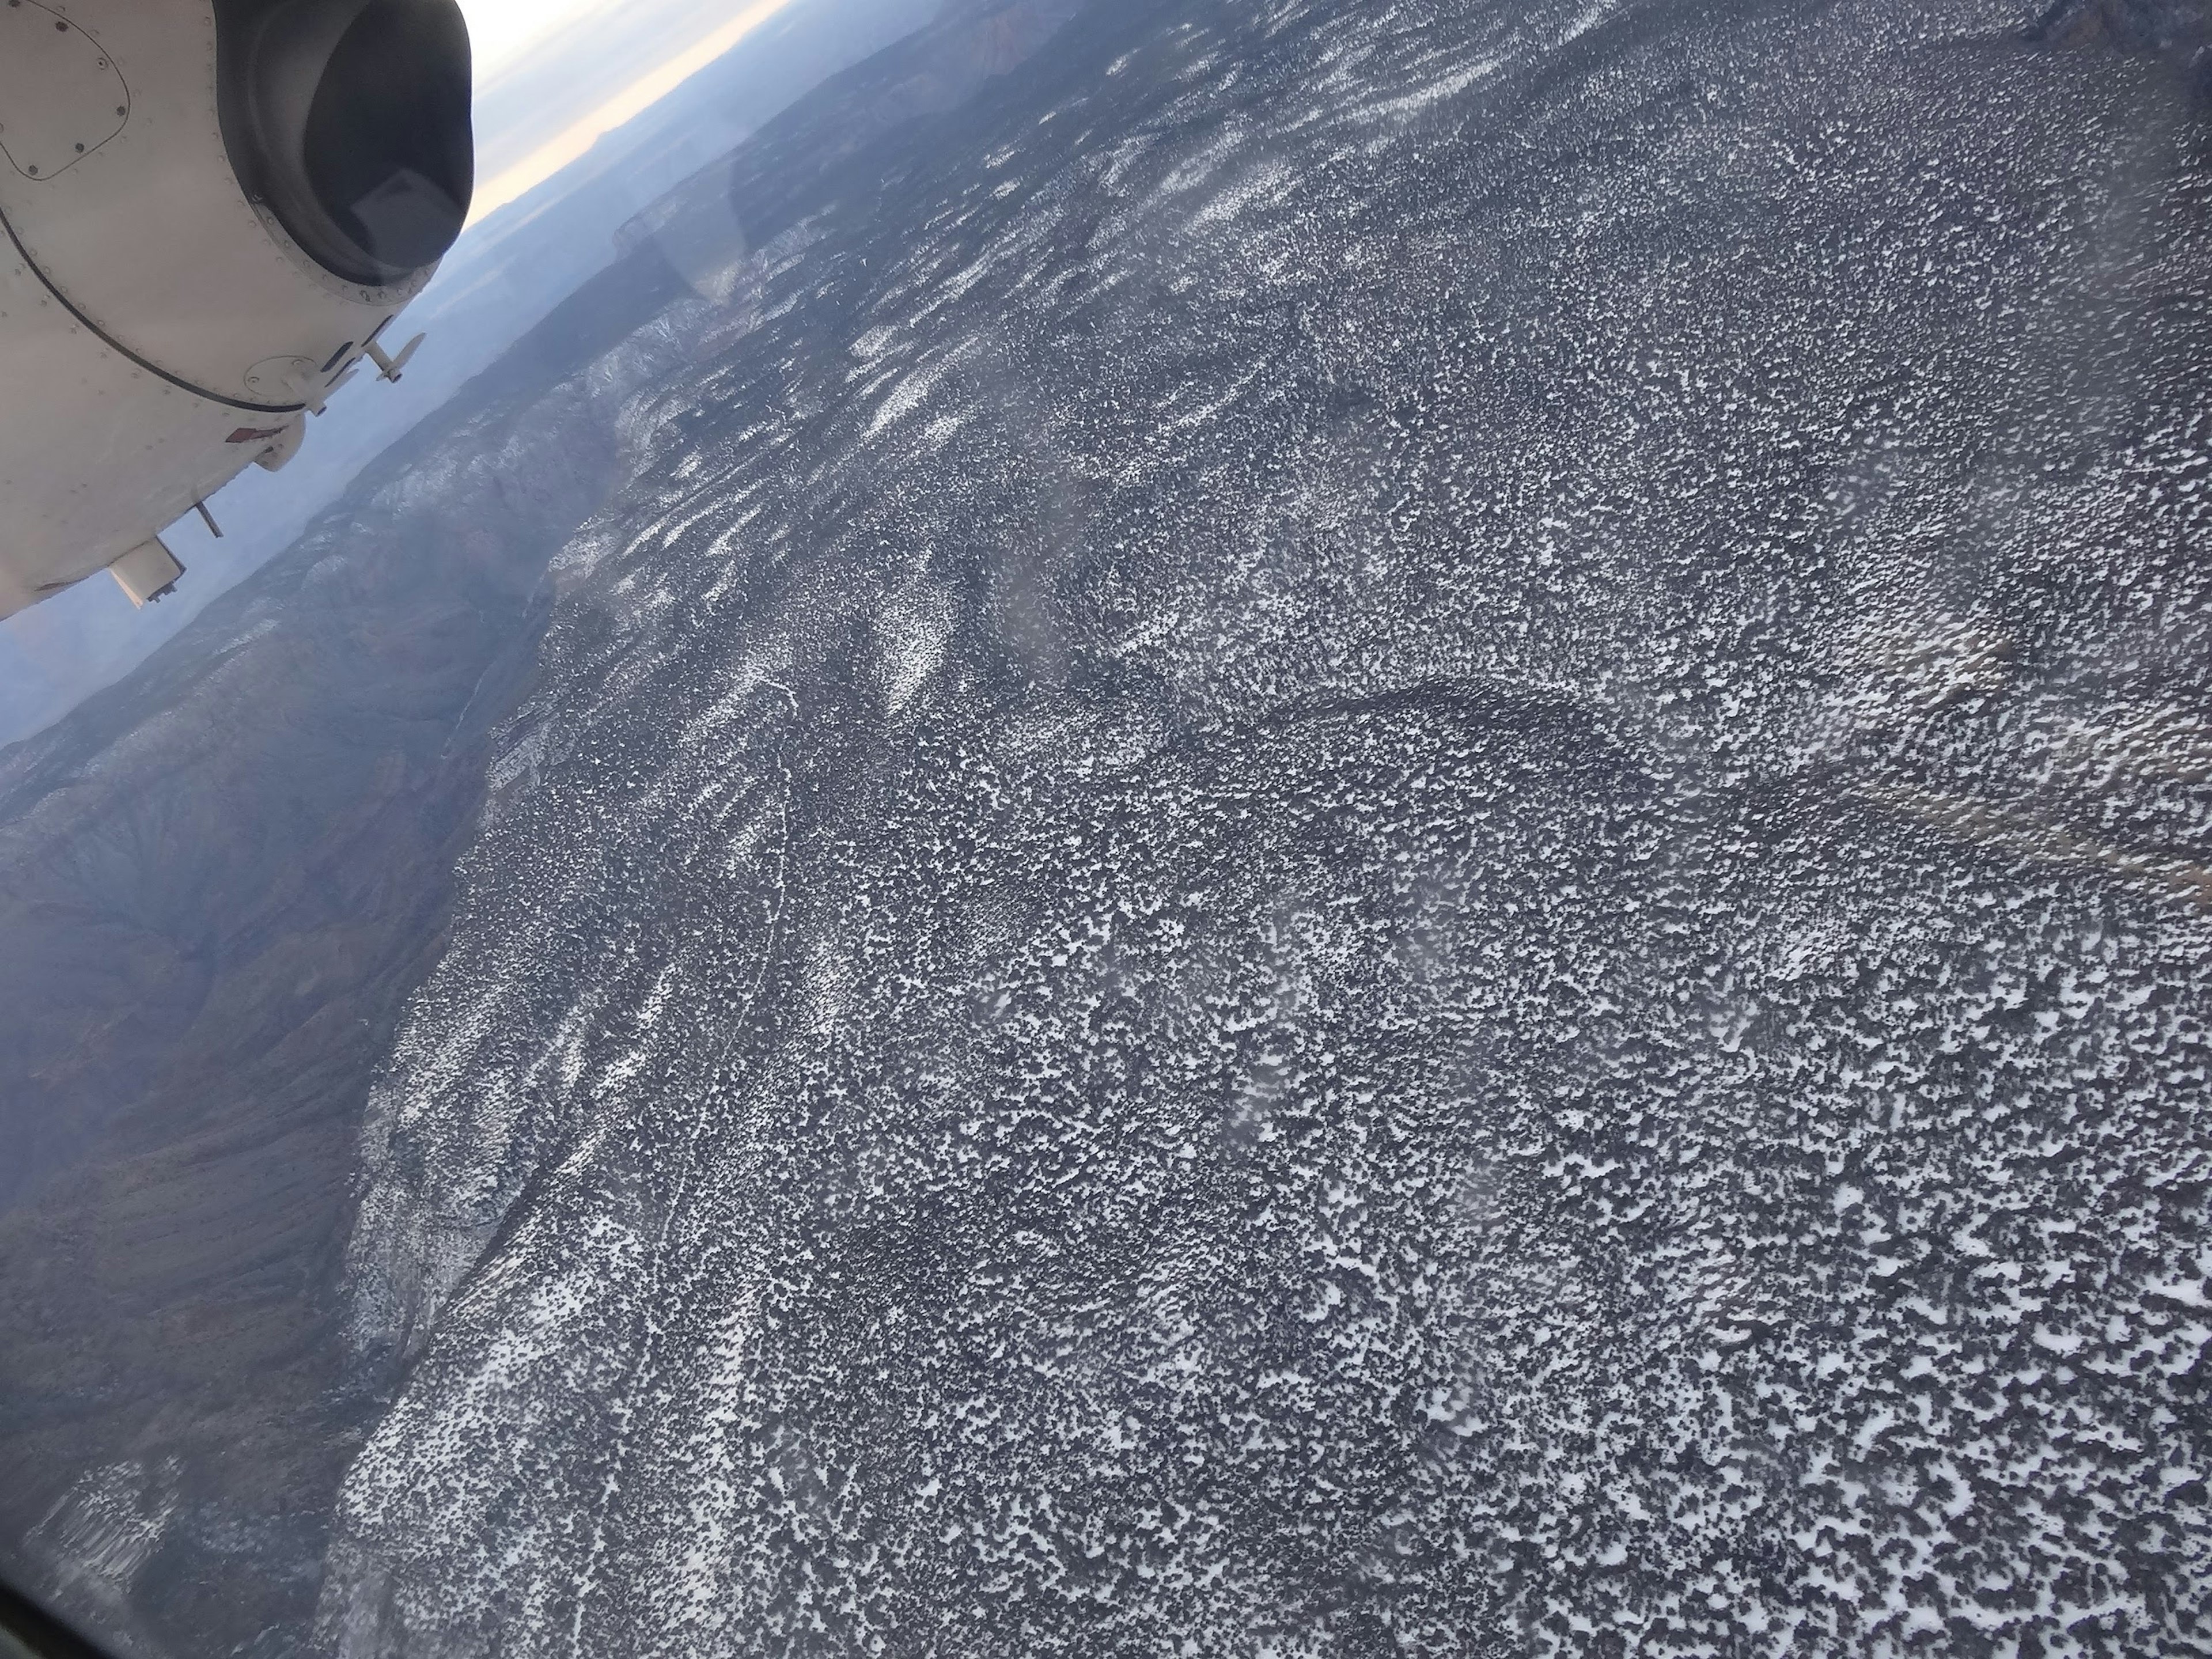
[[1390, 835]]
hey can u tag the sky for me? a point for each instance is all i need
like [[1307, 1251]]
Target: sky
[[591, 66], [503, 30]]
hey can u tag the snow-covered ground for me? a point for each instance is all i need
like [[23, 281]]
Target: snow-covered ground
[[1383, 832]]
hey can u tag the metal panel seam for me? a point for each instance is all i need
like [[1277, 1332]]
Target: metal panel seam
[[114, 344]]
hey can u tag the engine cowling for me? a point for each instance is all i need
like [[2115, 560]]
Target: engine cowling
[[211, 210], [350, 120]]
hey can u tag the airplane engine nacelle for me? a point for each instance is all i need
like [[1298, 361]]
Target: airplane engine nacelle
[[209, 211]]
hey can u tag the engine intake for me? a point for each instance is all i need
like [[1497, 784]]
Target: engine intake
[[350, 120]]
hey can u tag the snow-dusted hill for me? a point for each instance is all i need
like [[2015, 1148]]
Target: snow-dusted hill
[[1384, 832]]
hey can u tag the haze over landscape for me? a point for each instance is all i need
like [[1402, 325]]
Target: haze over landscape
[[1261, 829]]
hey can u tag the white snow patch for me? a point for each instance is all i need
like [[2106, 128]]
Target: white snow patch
[[1435, 93]]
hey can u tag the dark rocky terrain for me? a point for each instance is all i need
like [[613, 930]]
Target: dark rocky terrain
[[1362, 828]]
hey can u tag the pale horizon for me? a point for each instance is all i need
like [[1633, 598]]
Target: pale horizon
[[572, 143], [501, 31]]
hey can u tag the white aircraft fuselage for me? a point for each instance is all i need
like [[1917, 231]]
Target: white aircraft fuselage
[[210, 210]]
